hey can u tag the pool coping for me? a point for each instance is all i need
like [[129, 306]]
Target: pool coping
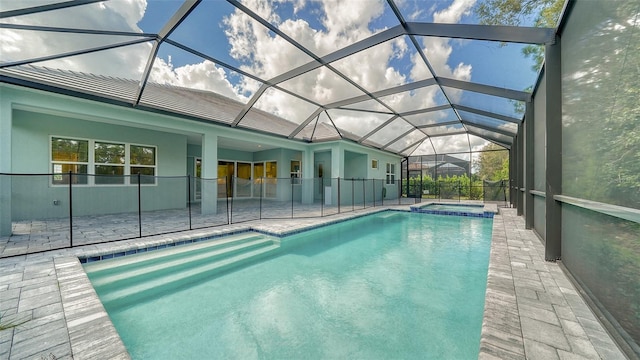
[[513, 326], [133, 249], [488, 210]]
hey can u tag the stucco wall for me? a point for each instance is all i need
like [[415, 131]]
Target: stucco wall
[[33, 197]]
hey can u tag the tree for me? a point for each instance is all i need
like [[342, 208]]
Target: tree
[[601, 113], [515, 12], [493, 163]]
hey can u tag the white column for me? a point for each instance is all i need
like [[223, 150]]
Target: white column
[[337, 161], [5, 165], [307, 176], [337, 170], [209, 172]]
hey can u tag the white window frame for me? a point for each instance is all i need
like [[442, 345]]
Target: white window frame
[[92, 153], [391, 174], [129, 165], [374, 164], [91, 164], [58, 176]]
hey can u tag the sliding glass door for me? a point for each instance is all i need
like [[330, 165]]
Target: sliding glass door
[[243, 180]]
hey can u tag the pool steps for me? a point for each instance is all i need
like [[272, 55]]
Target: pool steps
[[122, 263], [389, 214], [146, 279], [171, 264]]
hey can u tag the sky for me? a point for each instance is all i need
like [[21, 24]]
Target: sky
[[220, 31]]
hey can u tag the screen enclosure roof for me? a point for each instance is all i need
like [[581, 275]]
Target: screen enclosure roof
[[408, 77]]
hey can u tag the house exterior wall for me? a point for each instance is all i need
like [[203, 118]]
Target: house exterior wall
[[28, 119], [34, 196]]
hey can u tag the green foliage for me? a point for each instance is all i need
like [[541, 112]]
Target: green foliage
[[493, 163], [449, 187], [515, 12], [601, 128]]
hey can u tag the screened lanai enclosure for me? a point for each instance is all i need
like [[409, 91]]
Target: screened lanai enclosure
[[278, 69], [117, 112]]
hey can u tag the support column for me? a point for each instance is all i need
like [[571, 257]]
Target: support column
[[209, 172], [553, 186], [307, 176], [6, 120], [337, 170], [529, 165], [513, 173], [520, 169], [511, 177]]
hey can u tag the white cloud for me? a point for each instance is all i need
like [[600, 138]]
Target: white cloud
[[124, 62], [438, 50], [344, 23], [203, 76], [454, 12]]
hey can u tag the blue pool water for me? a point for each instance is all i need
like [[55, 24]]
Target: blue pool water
[[389, 285]]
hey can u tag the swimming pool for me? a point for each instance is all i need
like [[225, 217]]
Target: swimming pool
[[389, 285]]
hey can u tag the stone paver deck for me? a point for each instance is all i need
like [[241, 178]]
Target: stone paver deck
[[532, 310]]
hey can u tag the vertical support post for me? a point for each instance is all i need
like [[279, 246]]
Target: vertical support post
[[70, 209], [139, 208], [510, 180], [291, 197], [229, 201], [209, 189], [421, 190], [364, 194], [338, 195], [374, 192], [5, 201], [6, 120], [513, 174], [407, 186], [469, 174], [353, 196], [553, 186], [321, 196], [520, 169], [529, 161], [261, 186], [189, 198]]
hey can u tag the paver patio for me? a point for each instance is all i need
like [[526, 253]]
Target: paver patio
[[532, 310]]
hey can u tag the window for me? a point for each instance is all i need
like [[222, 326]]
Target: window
[[110, 162], [142, 161], [295, 172], [68, 155], [391, 173], [374, 164]]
